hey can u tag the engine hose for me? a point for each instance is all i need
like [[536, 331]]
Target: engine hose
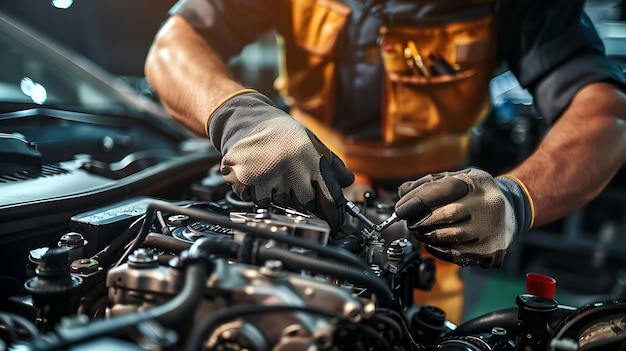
[[165, 243], [505, 318], [15, 325], [203, 329], [297, 262], [171, 314]]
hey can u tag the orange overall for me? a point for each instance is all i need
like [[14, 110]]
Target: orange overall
[[426, 117]]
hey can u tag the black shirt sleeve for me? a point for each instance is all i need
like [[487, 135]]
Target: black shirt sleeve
[[554, 50], [229, 25]]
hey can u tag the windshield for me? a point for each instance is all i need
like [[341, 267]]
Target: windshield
[[34, 71]]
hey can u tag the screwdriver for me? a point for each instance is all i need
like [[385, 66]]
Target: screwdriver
[[417, 58]]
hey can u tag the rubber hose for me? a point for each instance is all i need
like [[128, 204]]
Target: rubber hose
[[166, 243], [16, 321], [505, 318]]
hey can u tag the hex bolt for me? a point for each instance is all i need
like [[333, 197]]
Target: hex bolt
[[272, 268], [376, 268], [143, 258], [262, 213], [499, 331], [352, 312], [396, 249], [177, 220]]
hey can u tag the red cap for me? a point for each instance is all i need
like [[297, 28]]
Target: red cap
[[540, 285]]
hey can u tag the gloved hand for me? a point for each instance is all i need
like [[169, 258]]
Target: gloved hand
[[270, 157], [466, 217]]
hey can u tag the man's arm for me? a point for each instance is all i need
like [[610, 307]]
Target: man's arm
[[470, 218], [267, 155], [579, 156], [190, 78]]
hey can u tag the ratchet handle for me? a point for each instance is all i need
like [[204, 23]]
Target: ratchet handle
[[355, 212], [389, 221]]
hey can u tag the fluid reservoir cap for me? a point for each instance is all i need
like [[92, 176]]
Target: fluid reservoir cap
[[53, 273], [54, 265], [540, 285]]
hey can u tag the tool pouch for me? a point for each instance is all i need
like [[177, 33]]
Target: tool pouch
[[437, 77], [309, 37]]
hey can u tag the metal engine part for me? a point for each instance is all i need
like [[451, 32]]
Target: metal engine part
[[142, 284]]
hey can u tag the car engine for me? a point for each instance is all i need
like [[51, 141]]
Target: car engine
[[213, 272]]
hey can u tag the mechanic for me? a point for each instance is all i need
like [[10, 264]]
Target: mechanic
[[393, 88]]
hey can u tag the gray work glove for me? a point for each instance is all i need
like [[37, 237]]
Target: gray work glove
[[465, 217], [270, 157]]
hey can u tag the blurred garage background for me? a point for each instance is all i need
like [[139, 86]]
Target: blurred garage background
[[585, 252]]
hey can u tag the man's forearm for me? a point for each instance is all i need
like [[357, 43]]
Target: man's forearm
[[579, 156], [187, 74]]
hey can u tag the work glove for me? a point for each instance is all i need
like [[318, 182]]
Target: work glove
[[466, 217], [269, 157]]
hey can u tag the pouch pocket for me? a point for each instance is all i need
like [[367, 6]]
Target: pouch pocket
[[437, 77], [307, 78]]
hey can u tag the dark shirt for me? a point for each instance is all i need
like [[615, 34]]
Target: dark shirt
[[550, 46]]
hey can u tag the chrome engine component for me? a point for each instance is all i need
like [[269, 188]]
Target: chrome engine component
[[270, 285], [141, 283]]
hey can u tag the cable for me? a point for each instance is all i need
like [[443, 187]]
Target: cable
[[9, 327], [104, 256], [14, 321], [163, 224]]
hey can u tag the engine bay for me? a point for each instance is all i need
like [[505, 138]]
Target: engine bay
[[213, 272]]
